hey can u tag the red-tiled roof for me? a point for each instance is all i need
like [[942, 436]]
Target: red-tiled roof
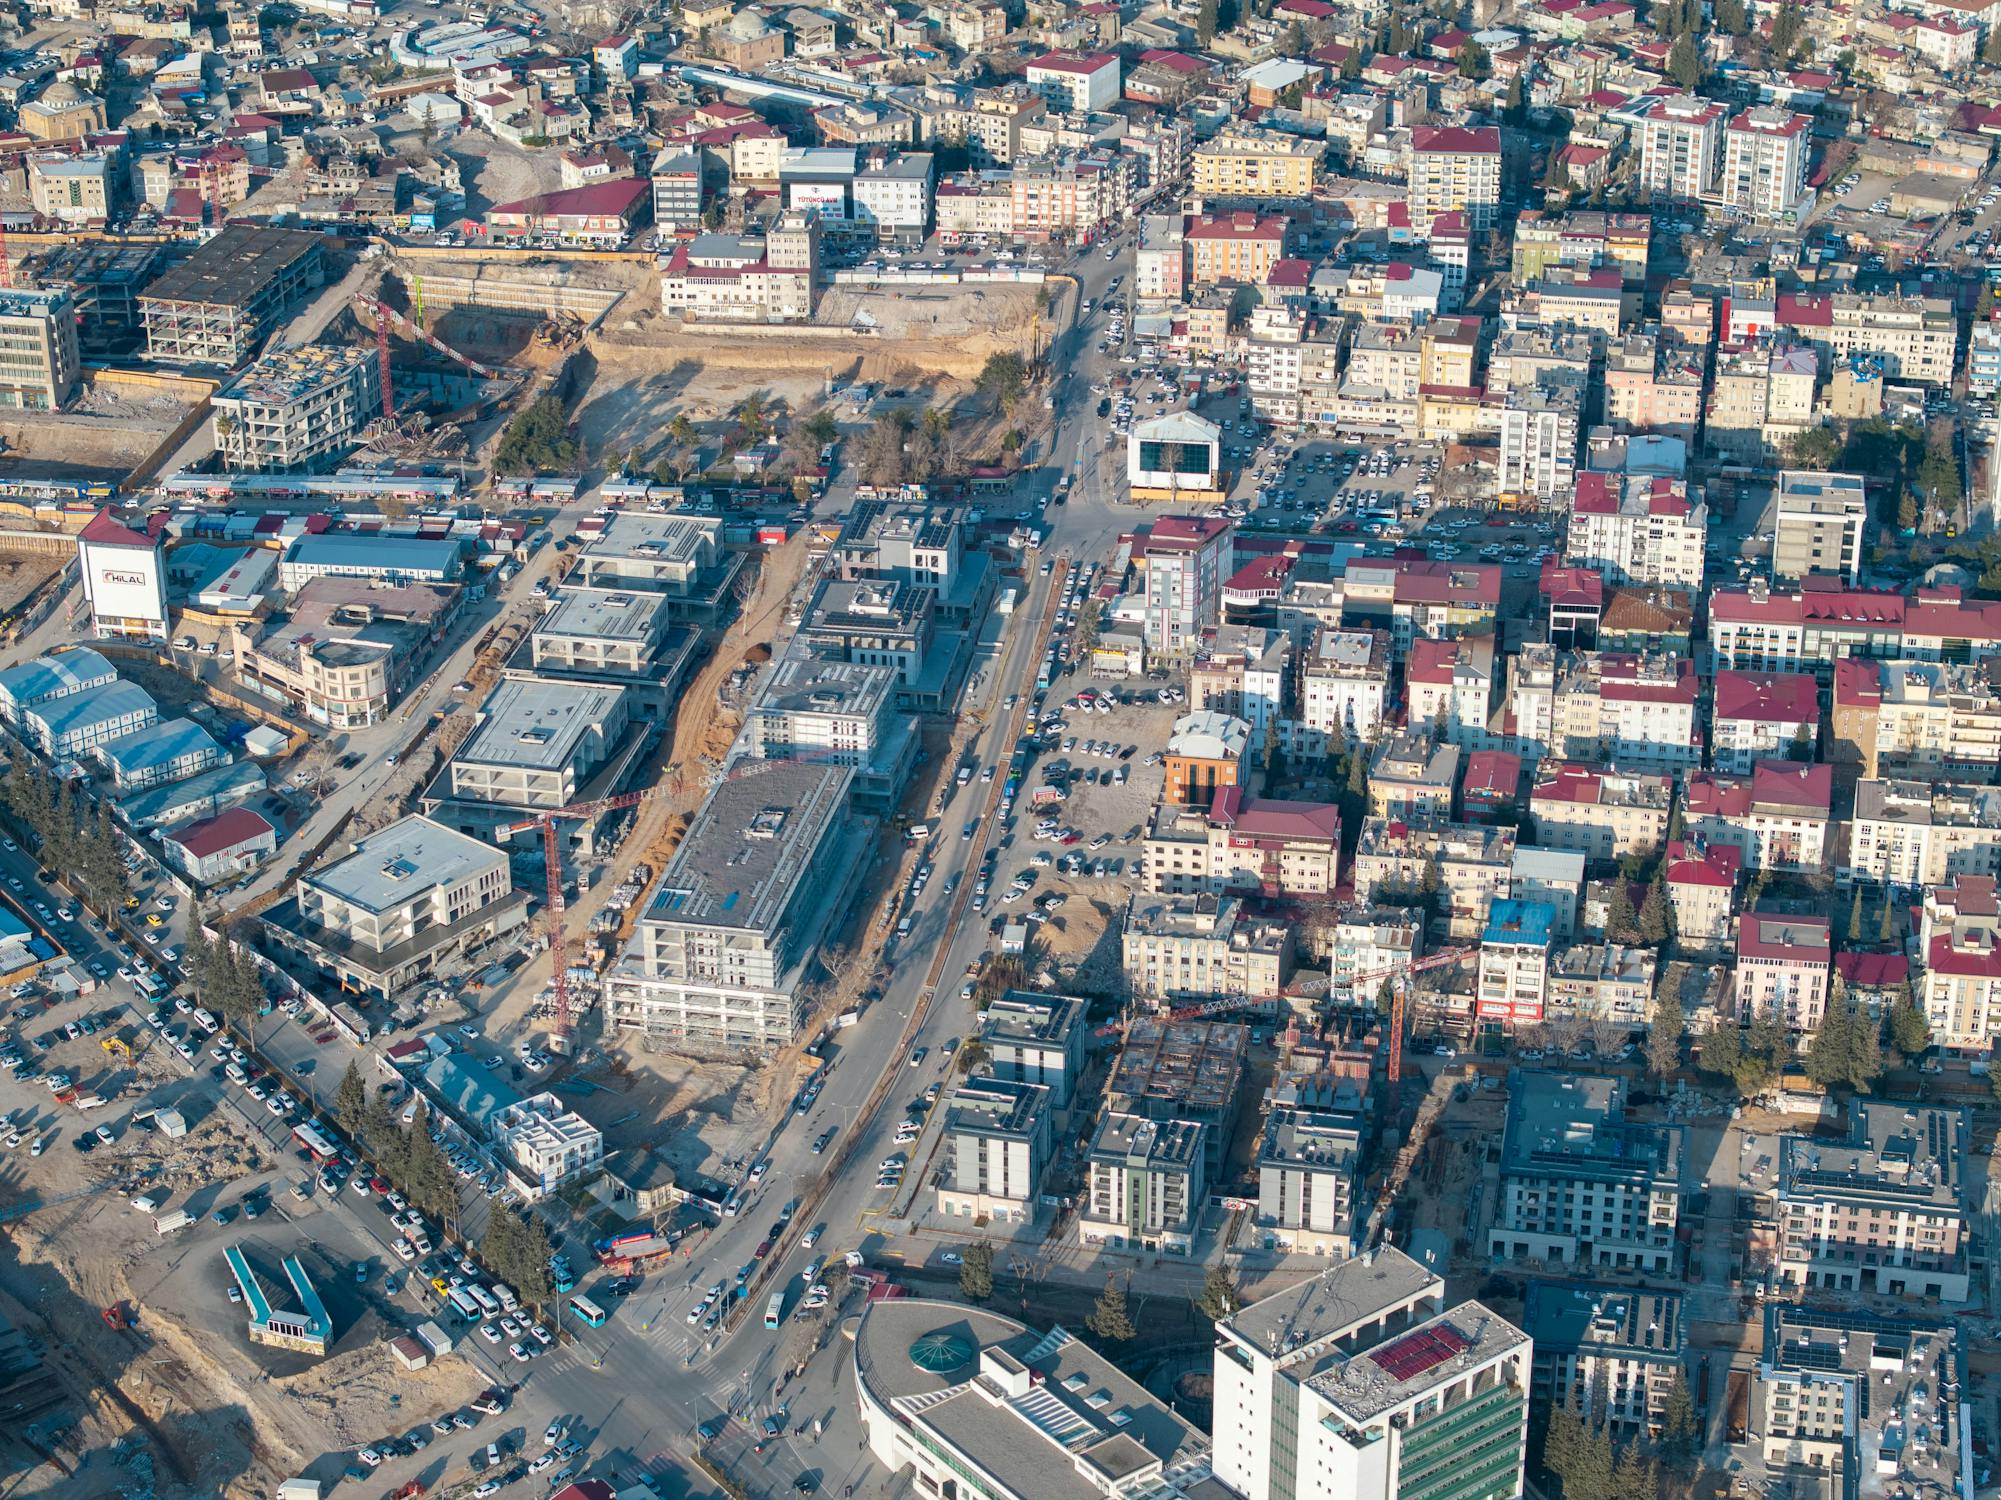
[[1691, 862], [1858, 682], [1872, 971], [1767, 697], [1568, 783], [1979, 959], [226, 830], [1573, 587], [593, 199], [1272, 818], [1459, 140], [1792, 783], [106, 530]]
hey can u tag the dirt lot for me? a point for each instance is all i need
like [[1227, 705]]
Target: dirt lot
[[102, 430], [179, 1402], [20, 576]]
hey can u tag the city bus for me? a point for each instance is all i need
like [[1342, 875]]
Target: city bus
[[484, 1298], [587, 1310], [315, 1140], [774, 1309], [467, 1308]]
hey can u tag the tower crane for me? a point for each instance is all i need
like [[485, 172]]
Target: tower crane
[[1399, 979]]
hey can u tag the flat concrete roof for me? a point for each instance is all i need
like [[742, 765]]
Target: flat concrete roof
[[750, 845], [1404, 1367], [802, 684], [231, 269], [401, 862], [537, 723], [1341, 1298], [625, 615]]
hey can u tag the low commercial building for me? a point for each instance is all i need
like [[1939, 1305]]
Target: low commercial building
[[38, 331], [998, 1135], [218, 848], [1907, 835], [171, 750], [297, 409], [974, 1403], [723, 947], [374, 558], [599, 214], [1582, 1186], [406, 902], [1145, 1184], [1610, 1354], [1178, 948], [1309, 1165], [1603, 815], [1032, 1036], [1881, 1211], [546, 1144], [217, 306], [1360, 1381], [346, 650], [1784, 962]]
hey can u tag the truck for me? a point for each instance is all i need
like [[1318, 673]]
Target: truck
[[297, 1489], [628, 1249], [1007, 598], [166, 1224]]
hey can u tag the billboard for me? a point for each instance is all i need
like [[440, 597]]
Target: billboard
[[127, 589], [1185, 459]]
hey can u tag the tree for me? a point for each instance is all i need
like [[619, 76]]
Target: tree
[[1684, 63], [1386, 997], [1205, 22], [1938, 480], [1664, 1033], [1637, 1474], [1004, 378], [1886, 927], [1814, 448], [751, 416], [1731, 19], [536, 439], [1907, 504], [1563, 1439], [1991, 52], [1619, 920], [1218, 1297], [1656, 919], [351, 1102], [976, 1272], [1801, 748], [1855, 917], [1908, 1032], [1473, 60], [972, 1053], [1678, 1431], [1108, 1317], [1788, 27]]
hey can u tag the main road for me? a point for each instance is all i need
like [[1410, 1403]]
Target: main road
[[644, 1381]]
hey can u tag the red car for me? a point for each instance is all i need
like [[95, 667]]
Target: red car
[[378, 1184], [763, 1249], [1072, 838], [1350, 526]]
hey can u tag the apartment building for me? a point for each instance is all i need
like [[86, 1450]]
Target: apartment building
[[768, 278], [1244, 671], [1603, 815], [297, 409], [1412, 779], [1361, 1381], [1473, 866], [1513, 986], [1077, 83], [76, 189], [1784, 961], [1881, 1211], [997, 1140], [1309, 1165], [1755, 629], [1702, 888], [1454, 169], [1762, 716], [1764, 161], [1820, 525], [1183, 1071], [1181, 580], [1917, 718], [1960, 940], [1539, 432], [1032, 1036], [1552, 876], [538, 743], [1609, 1353], [1416, 598], [1243, 845], [405, 903], [1681, 147], [1178, 948], [1914, 338], [1244, 162], [1602, 982], [1638, 529], [1239, 248], [1631, 710], [1907, 835], [39, 359], [1654, 384], [1450, 686], [1779, 815], [1146, 1183], [1583, 240], [1582, 1186], [613, 633], [1344, 680], [723, 946], [1367, 944]]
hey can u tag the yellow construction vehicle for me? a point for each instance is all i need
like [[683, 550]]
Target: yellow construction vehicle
[[117, 1045]]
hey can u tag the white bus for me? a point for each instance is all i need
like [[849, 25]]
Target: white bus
[[484, 1298]]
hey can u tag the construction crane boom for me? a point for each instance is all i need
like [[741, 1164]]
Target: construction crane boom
[[1399, 979], [553, 860]]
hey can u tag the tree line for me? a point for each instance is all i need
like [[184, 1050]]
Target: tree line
[[223, 975], [72, 836]]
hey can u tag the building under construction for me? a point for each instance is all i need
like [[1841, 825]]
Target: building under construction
[[104, 280], [217, 306], [1183, 1070], [297, 409]]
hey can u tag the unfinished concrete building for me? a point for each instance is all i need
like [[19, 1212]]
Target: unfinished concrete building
[[297, 409], [1189, 1070], [216, 306]]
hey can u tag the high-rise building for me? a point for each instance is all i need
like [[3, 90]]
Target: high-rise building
[[1362, 1382], [1681, 146], [1764, 161], [38, 333], [1455, 169]]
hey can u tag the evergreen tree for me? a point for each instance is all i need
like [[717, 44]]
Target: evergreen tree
[[1684, 63], [1619, 920], [1655, 920], [1801, 748], [351, 1103], [1205, 22], [1636, 1475], [1591, 1477], [1674, 822], [1991, 52], [1563, 1440], [1731, 19], [1664, 1033], [1358, 774], [1855, 917], [1886, 928], [1386, 997], [1678, 1427], [976, 1272], [1909, 1034], [1108, 1318], [1722, 1049], [1219, 1297], [1473, 60], [1788, 27]]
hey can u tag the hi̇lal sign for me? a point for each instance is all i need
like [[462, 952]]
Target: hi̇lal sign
[[137, 580]]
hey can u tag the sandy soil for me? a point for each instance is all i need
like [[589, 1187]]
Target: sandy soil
[[21, 576]]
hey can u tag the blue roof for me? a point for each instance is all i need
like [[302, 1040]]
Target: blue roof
[[160, 745], [198, 796], [47, 676], [1512, 921], [397, 554], [471, 1093], [114, 700], [12, 928]]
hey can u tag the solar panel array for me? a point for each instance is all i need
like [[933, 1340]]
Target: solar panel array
[[1410, 1356]]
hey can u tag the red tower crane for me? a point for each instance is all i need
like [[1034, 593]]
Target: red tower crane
[[6, 269], [1399, 979], [553, 858], [382, 350]]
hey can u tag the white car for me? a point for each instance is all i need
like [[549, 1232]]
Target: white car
[[520, 1354], [541, 1335], [370, 1457], [490, 1333]]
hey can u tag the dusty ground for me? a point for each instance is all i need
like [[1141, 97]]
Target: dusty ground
[[21, 576]]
